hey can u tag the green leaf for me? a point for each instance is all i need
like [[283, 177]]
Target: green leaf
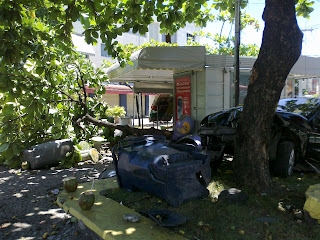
[[4, 147]]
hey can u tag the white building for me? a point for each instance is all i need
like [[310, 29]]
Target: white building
[[97, 54], [203, 83]]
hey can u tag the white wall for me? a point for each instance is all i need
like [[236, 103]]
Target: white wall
[[198, 97], [136, 39], [214, 90], [181, 34]]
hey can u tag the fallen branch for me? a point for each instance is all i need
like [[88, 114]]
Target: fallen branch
[[126, 129], [313, 167]]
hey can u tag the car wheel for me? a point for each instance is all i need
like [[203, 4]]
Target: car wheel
[[283, 166]]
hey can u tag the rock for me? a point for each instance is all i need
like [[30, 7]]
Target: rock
[[73, 220], [55, 191], [104, 192], [298, 214], [81, 225], [267, 219], [131, 218], [233, 195], [107, 174], [309, 219]]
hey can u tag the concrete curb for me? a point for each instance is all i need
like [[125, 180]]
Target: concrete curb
[[106, 216]]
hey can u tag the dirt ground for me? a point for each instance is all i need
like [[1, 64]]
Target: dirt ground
[[27, 203]]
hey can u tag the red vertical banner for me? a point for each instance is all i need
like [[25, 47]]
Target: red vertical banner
[[183, 96]]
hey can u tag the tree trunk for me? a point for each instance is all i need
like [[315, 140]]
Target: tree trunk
[[280, 49]]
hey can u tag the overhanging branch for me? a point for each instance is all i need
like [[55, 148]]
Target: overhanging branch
[[126, 129]]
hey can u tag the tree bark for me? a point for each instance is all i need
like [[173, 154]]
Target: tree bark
[[280, 49]]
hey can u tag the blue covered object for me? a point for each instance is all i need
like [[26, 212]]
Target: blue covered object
[[173, 172]]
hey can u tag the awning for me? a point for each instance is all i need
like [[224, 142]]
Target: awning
[[113, 89], [306, 67], [157, 65], [81, 46]]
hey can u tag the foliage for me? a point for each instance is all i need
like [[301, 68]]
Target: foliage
[[304, 8], [116, 111], [225, 46], [71, 159], [42, 82]]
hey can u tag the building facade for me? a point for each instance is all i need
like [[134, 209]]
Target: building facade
[[97, 54]]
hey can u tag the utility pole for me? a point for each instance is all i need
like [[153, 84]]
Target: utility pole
[[236, 74]]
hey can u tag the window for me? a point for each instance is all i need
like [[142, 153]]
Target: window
[[104, 53], [190, 37]]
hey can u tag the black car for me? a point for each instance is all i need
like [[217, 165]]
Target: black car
[[295, 134]]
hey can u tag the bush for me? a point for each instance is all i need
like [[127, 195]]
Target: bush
[[116, 111]]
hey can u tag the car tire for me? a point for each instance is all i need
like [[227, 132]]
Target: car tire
[[283, 166]]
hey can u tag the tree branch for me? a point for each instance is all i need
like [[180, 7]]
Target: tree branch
[[12, 120], [126, 129]]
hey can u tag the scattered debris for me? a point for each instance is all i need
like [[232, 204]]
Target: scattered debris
[[107, 174], [233, 195], [47, 154], [267, 219], [45, 235], [312, 204], [55, 191], [73, 220], [280, 207], [81, 225], [165, 218], [313, 167], [131, 218]]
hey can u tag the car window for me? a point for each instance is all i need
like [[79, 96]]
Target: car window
[[218, 119], [302, 106]]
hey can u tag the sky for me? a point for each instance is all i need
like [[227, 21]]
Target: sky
[[310, 28]]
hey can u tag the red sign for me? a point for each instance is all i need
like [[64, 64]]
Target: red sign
[[183, 96]]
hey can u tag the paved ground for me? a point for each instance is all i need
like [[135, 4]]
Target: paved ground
[[27, 203]]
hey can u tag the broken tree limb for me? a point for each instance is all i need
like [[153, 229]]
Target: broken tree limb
[[126, 129]]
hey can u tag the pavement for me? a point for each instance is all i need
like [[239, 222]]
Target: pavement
[[106, 215]]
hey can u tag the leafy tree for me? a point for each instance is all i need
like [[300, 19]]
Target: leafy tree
[[39, 71]]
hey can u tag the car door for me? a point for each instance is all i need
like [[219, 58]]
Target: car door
[[313, 149]]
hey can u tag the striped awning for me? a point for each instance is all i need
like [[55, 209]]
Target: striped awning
[[113, 89]]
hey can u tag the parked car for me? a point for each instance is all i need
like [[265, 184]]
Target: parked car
[[295, 134]]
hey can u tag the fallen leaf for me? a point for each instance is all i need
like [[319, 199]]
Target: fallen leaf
[[45, 235]]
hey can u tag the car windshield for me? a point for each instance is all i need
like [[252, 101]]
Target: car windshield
[[302, 106]]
